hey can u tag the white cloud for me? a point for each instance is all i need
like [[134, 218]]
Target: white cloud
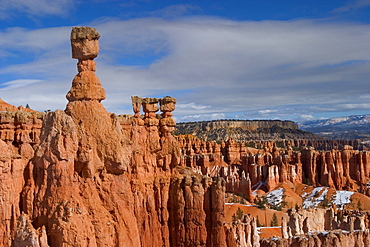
[[215, 116], [353, 6], [42, 41], [174, 11], [307, 117], [17, 84], [200, 117], [362, 106], [212, 66], [267, 111], [39, 94], [10, 8], [192, 105]]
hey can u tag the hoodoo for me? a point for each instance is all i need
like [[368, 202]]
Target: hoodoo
[[98, 179], [87, 177]]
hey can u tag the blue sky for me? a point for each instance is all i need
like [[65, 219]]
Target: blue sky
[[286, 59]]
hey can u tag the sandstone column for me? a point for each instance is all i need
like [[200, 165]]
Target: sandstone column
[[150, 107], [100, 134], [85, 47], [169, 154]]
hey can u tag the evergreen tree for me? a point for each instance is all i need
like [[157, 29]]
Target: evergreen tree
[[274, 221], [325, 202], [258, 222], [238, 215], [339, 216], [261, 202], [359, 205]]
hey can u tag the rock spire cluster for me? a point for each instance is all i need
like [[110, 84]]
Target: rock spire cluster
[[98, 179], [87, 177]]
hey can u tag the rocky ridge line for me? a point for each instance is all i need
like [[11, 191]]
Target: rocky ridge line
[[245, 130]]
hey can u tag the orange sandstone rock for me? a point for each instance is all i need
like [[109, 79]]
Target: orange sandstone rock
[[86, 177], [101, 180]]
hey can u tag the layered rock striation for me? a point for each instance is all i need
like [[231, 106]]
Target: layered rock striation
[[86, 177], [245, 130], [97, 179], [244, 167]]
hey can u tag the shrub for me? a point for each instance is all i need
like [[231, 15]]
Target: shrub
[[325, 203], [261, 202]]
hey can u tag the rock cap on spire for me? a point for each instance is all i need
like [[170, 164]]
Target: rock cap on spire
[[84, 42]]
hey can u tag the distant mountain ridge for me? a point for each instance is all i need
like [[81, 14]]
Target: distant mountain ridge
[[245, 130], [351, 127]]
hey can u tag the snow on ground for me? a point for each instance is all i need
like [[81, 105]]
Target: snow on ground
[[342, 198], [245, 205], [313, 199], [275, 197], [317, 195]]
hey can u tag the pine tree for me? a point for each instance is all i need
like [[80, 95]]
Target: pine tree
[[325, 202], [339, 216], [359, 205], [261, 202], [27, 106], [274, 221], [238, 215], [258, 222]]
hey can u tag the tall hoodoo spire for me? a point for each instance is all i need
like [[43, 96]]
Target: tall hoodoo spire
[[85, 47], [100, 135]]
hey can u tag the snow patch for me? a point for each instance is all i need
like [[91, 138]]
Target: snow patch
[[275, 197], [245, 205], [317, 196], [342, 198], [313, 199]]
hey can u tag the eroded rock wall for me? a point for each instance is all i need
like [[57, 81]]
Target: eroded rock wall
[[86, 177], [92, 178], [244, 130], [345, 169], [324, 239]]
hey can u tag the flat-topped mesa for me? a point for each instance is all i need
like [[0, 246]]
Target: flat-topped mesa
[[85, 47]]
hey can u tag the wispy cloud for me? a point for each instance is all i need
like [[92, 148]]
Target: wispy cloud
[[174, 11], [214, 67], [10, 8], [193, 106], [201, 117], [17, 84], [354, 5], [307, 117], [267, 111]]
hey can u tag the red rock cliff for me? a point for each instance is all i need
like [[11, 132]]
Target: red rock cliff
[[86, 177], [97, 179]]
